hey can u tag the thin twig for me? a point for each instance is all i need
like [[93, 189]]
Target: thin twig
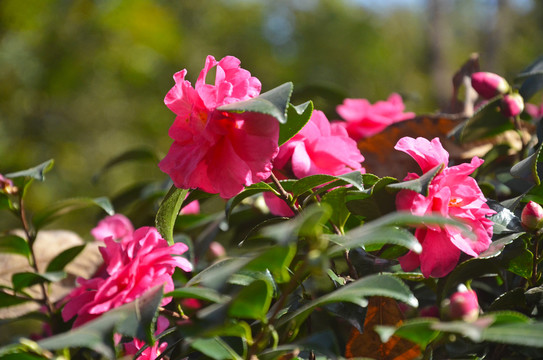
[[285, 195]]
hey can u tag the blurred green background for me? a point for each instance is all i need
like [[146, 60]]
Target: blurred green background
[[82, 81]]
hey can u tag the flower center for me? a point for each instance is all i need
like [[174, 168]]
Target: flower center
[[455, 202]]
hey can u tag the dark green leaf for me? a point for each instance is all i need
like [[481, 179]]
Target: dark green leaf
[[215, 348], [216, 275], [140, 154], [64, 258], [359, 180], [199, 293], [14, 244], [25, 279], [37, 172], [511, 300], [7, 300], [252, 302], [531, 168], [421, 184], [336, 199], [277, 260], [134, 319], [533, 79], [373, 203], [356, 292], [63, 207], [168, 212], [273, 103], [297, 117], [488, 121], [519, 261], [496, 247]]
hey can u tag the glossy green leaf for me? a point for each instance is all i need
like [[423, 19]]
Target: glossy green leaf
[[13, 244], [273, 103], [519, 261], [63, 207], [419, 331], [309, 182], [168, 211], [139, 154], [64, 258], [7, 300], [496, 246], [379, 200], [355, 292], [134, 319], [532, 78], [199, 293], [216, 275], [239, 329], [215, 348], [530, 168], [505, 221], [525, 334], [247, 192], [277, 260], [336, 199], [38, 172], [297, 117], [252, 302], [23, 280], [421, 184]]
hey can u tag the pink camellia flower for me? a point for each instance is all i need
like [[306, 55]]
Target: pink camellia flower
[[452, 193], [319, 148], [216, 151], [532, 216], [489, 84], [133, 266], [363, 119], [192, 208], [152, 352], [512, 104], [463, 305], [535, 111], [116, 226]]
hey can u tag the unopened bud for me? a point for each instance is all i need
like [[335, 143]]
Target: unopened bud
[[6, 186], [464, 305], [532, 216], [489, 84], [512, 104]]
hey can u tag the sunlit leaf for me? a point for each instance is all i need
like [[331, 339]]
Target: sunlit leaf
[[38, 172], [199, 293], [276, 260], [252, 302], [168, 212], [13, 244], [215, 348], [64, 258], [7, 300], [23, 280], [421, 184], [297, 117]]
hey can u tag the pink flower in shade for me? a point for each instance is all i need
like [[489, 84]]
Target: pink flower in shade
[[192, 208], [116, 226], [363, 119], [133, 266], [319, 148], [535, 111], [216, 151], [512, 104], [452, 193], [152, 352], [464, 304]]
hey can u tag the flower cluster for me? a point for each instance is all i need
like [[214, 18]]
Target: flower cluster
[[452, 193], [133, 265]]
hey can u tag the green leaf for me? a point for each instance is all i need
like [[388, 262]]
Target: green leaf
[[7, 300], [276, 260], [496, 246], [13, 244], [64, 258], [63, 207], [134, 319], [519, 261], [247, 192], [309, 182], [215, 348], [273, 103], [168, 212], [253, 301], [533, 79], [421, 184], [25, 279], [336, 199], [37, 172], [199, 293], [487, 122], [419, 331], [355, 292], [379, 200], [297, 117], [525, 334], [139, 154], [531, 168], [216, 275]]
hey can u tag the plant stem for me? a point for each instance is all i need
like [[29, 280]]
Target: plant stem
[[537, 238], [285, 195]]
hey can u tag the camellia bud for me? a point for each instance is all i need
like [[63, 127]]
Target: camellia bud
[[464, 305], [532, 216], [489, 84], [512, 104], [6, 185]]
